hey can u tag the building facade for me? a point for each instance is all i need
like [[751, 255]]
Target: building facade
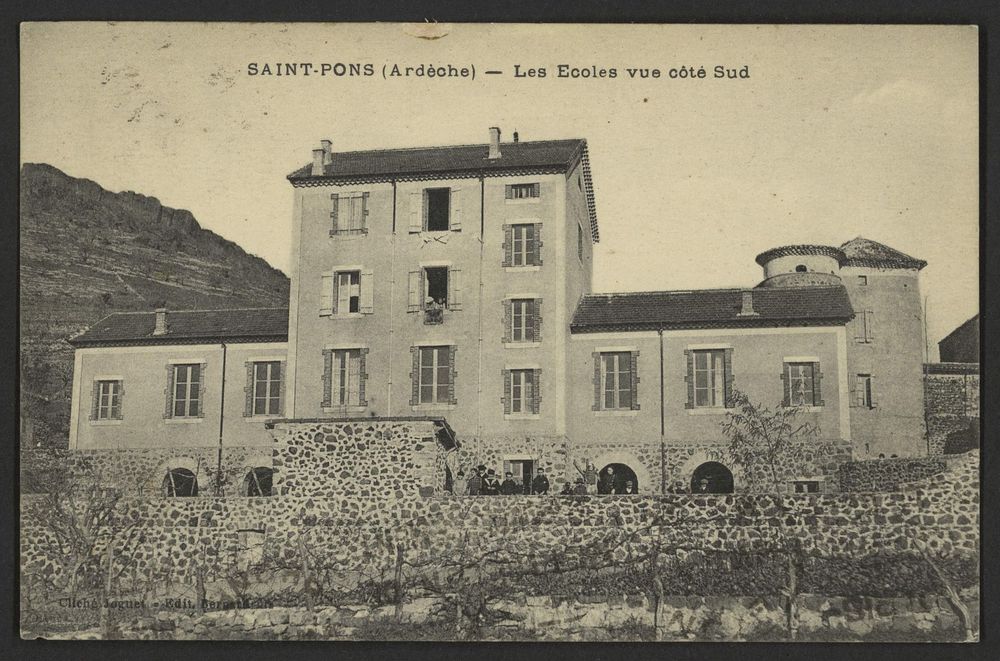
[[456, 283]]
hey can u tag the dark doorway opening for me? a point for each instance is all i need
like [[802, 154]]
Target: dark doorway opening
[[621, 480], [180, 482], [438, 206], [712, 477], [523, 471], [258, 482]]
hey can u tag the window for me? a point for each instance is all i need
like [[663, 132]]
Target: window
[[863, 391], [579, 241], [350, 213], [436, 209], [258, 482], [862, 280], [524, 320], [267, 388], [434, 378], [805, 486], [801, 268], [180, 482], [522, 244], [617, 380], [345, 376], [348, 292], [434, 289], [802, 384], [522, 191], [107, 403], [709, 378], [187, 391], [864, 330], [522, 396], [436, 286]]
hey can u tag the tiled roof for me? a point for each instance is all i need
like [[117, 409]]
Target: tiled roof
[[712, 308], [865, 252], [801, 249], [188, 326], [537, 157]]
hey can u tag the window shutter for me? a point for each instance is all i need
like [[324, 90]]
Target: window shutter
[[507, 387], [364, 211], [95, 399], [786, 386], [508, 245], [854, 390], [415, 288], [169, 411], [509, 192], [869, 325], [454, 289], [281, 387], [536, 320], [817, 392], [121, 400], [535, 190], [454, 373], [536, 391], [689, 378], [416, 206], [728, 366], [201, 390], [367, 303], [248, 390], [634, 368], [334, 211], [327, 378], [871, 379], [534, 244], [415, 377], [597, 381], [456, 210], [362, 377], [508, 320], [326, 296]]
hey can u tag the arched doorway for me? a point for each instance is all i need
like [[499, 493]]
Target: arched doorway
[[618, 481], [180, 482], [258, 482], [712, 477]]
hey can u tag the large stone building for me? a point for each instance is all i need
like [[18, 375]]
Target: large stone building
[[454, 283]]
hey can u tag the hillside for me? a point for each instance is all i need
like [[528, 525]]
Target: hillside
[[86, 252]]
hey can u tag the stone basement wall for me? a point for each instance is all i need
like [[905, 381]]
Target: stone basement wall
[[951, 398], [887, 474], [578, 619], [348, 531]]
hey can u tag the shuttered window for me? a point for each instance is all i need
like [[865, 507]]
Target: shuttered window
[[522, 316], [107, 404], [187, 391], [864, 395], [522, 191], [522, 244], [709, 377], [349, 213], [345, 378], [435, 375], [864, 326], [267, 388], [801, 384]]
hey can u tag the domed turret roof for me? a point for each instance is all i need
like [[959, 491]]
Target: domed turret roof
[[801, 249]]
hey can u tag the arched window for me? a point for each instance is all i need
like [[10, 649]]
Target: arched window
[[180, 482], [712, 477], [619, 479], [801, 268], [258, 482]]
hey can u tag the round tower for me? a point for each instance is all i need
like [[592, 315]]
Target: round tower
[[801, 265]]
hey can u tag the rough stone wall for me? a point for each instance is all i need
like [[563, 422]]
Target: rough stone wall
[[354, 531], [951, 397], [886, 474]]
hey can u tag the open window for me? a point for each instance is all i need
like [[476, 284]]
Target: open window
[[437, 203], [348, 292]]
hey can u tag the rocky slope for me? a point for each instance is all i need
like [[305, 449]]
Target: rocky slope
[[86, 252]]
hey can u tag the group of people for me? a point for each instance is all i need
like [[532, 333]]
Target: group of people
[[486, 482]]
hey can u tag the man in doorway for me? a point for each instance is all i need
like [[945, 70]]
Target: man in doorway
[[606, 484], [629, 488], [509, 486], [540, 485], [703, 486]]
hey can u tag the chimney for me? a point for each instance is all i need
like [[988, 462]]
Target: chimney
[[747, 310], [327, 151], [318, 158], [161, 322], [494, 142], [515, 136]]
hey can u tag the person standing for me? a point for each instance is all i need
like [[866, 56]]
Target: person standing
[[540, 485], [606, 484], [629, 488], [476, 481], [491, 485], [580, 489], [509, 486]]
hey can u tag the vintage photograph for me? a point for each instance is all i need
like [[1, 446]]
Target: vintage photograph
[[511, 332]]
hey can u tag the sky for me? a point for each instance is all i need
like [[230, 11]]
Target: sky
[[838, 132]]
